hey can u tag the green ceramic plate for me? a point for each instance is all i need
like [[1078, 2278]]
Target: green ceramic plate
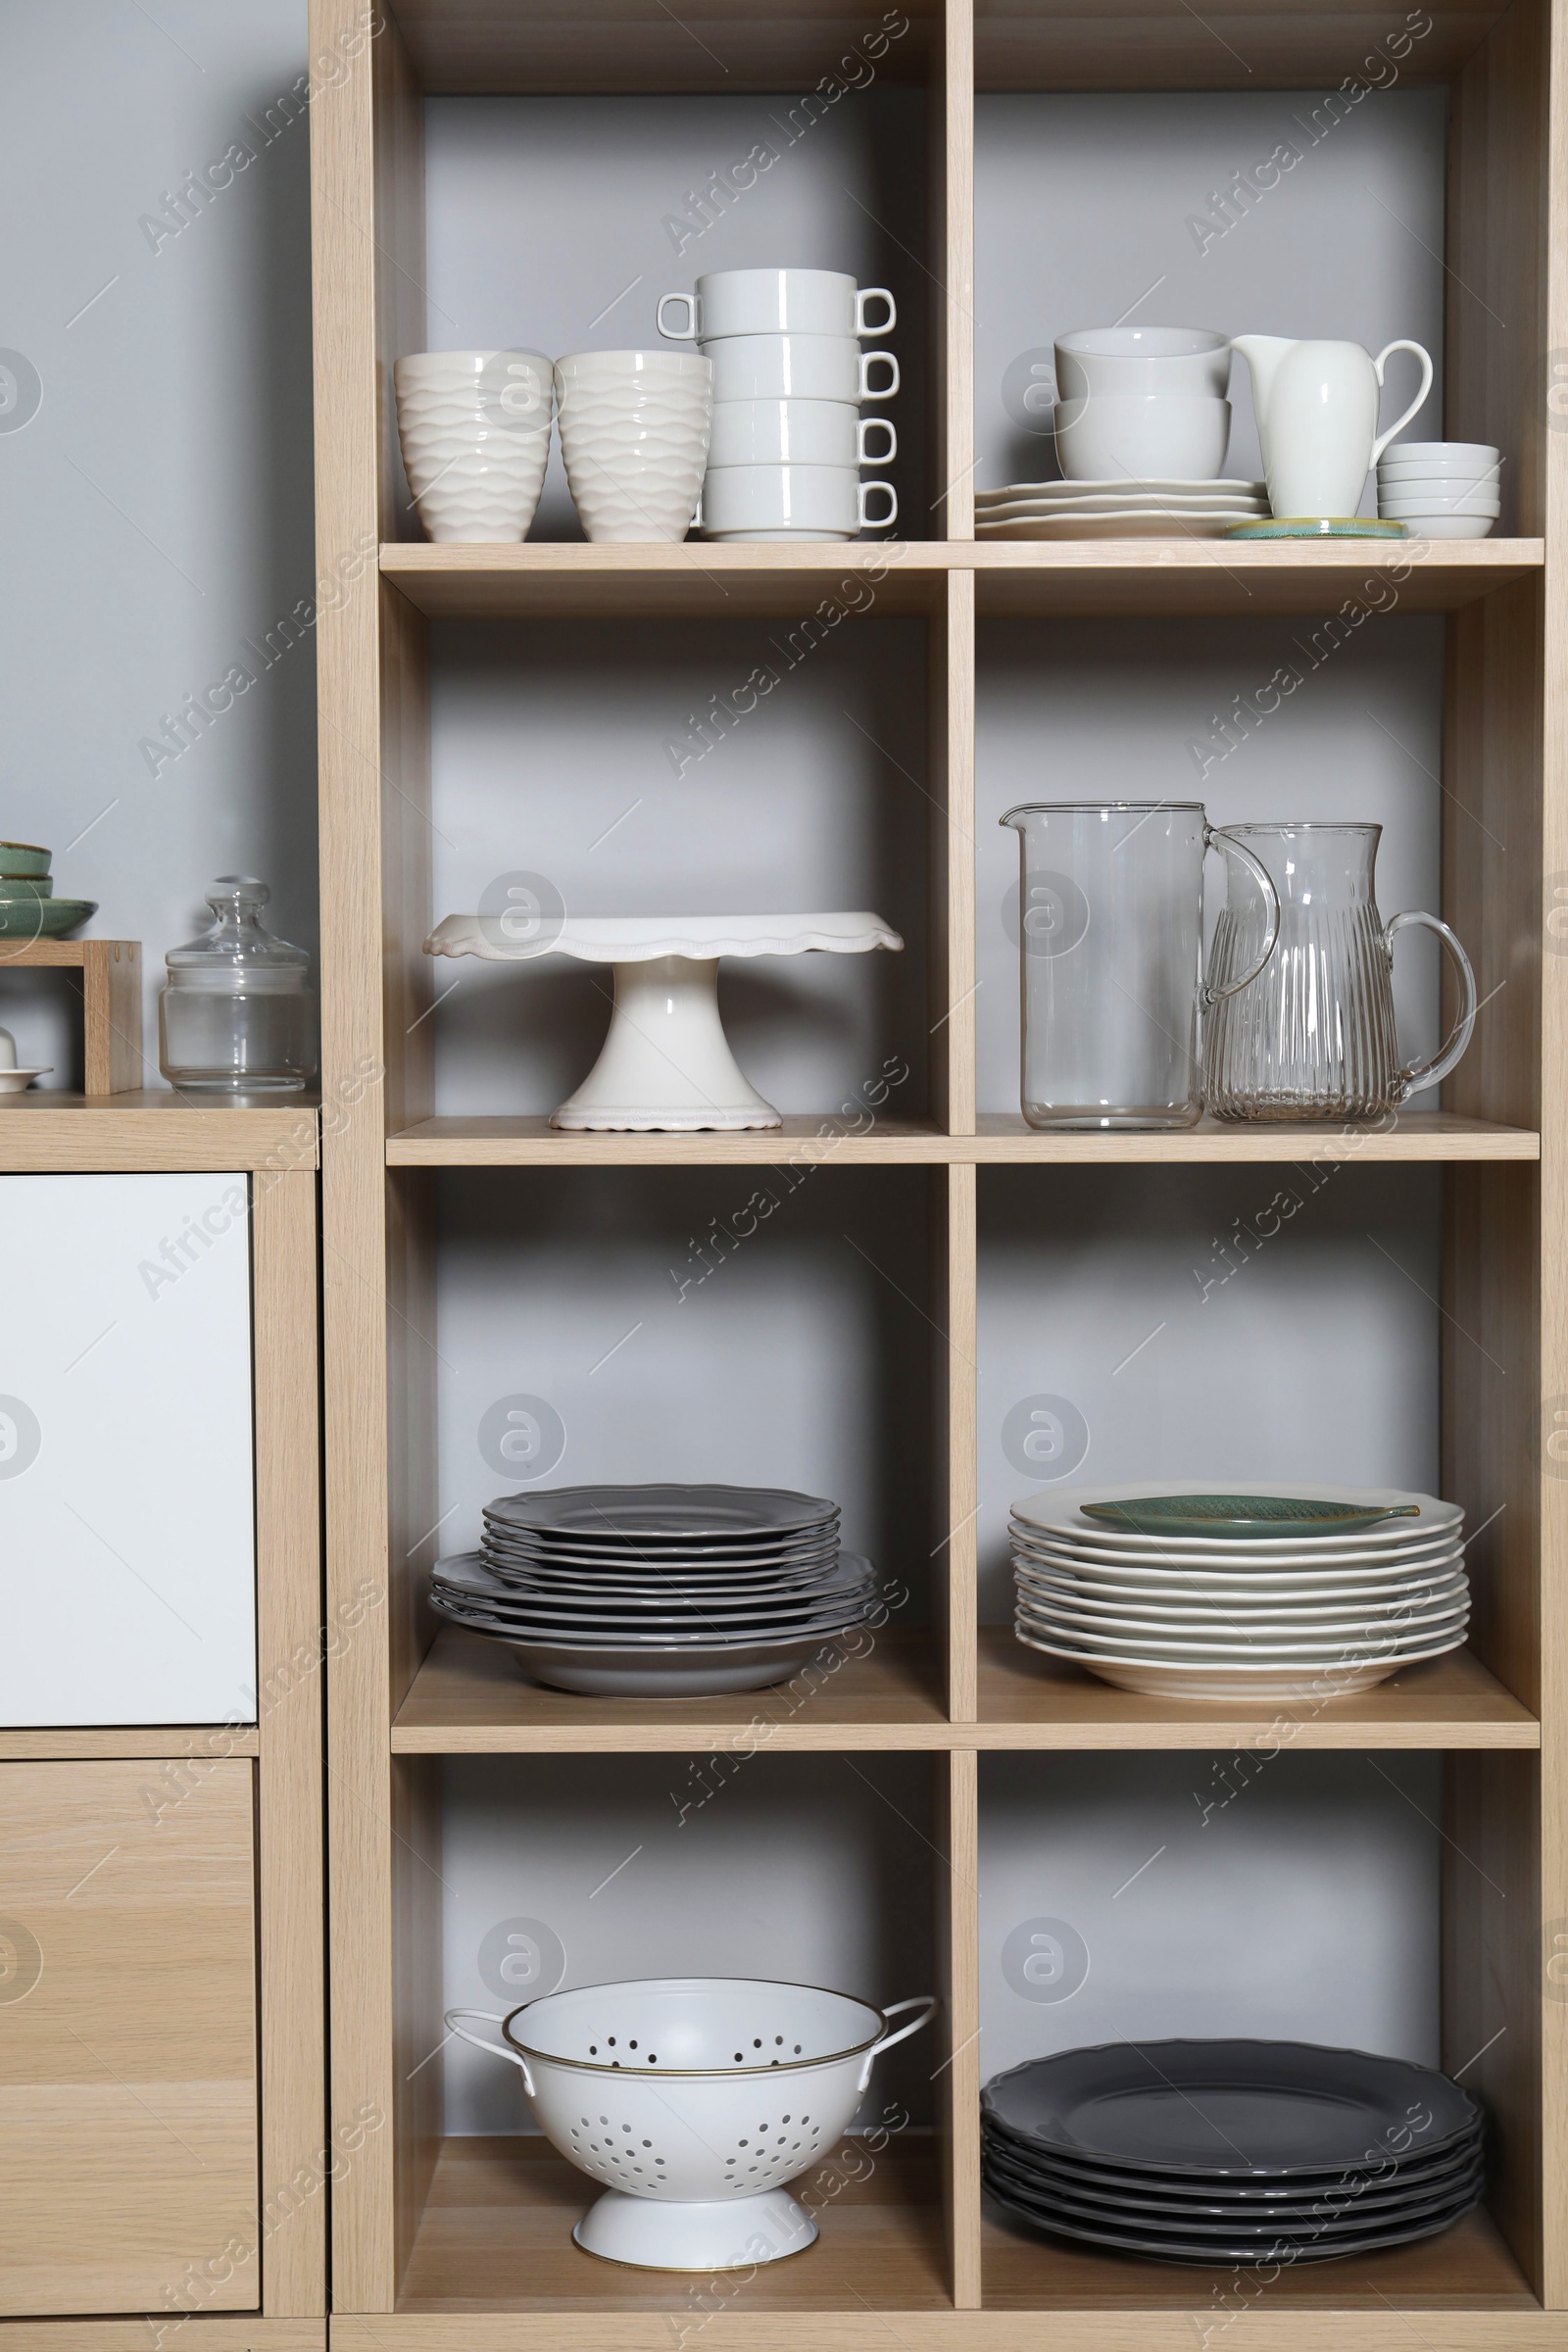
[[1241, 1515], [43, 918], [1328, 526], [22, 858]]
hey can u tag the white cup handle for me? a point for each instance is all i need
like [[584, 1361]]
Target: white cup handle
[[1382, 439], [870, 391], [876, 522], [488, 2017], [880, 457], [678, 334], [878, 326]]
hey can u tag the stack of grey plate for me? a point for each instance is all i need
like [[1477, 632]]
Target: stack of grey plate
[[666, 1592]]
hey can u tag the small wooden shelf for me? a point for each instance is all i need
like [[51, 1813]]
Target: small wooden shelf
[[1180, 577], [496, 2236], [1002, 1137], [1467, 2272], [1030, 1700], [70, 1743], [154, 1128], [469, 1699]]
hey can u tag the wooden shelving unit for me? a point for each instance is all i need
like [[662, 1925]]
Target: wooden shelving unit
[[464, 2243]]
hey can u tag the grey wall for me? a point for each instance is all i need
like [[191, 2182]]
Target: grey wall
[[1082, 213], [1282, 1894], [548, 226], [156, 509]]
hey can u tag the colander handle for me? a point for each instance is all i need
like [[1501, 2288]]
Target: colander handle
[[488, 2017], [926, 2002]]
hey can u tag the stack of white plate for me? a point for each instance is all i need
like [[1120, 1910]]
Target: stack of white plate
[[1307, 1593], [1125, 509], [665, 1590], [1440, 489]]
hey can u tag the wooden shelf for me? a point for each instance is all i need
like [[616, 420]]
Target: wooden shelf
[[1030, 1700], [154, 1128], [1467, 2271], [1002, 1137], [1088, 577], [694, 579], [496, 2236], [469, 1699], [1166, 46]]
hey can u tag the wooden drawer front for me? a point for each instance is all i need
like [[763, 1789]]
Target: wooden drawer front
[[128, 2041]]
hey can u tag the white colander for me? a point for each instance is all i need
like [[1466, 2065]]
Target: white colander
[[692, 2099]]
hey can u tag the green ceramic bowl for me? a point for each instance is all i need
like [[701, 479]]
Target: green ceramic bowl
[[1246, 1515], [26, 886], [27, 919], [21, 857]]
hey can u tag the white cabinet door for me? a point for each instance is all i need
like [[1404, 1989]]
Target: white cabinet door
[[127, 1555]]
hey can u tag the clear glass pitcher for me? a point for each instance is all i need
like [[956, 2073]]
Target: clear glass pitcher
[[1313, 1036], [1111, 935]]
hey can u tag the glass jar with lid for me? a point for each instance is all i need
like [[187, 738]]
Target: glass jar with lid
[[237, 1015]]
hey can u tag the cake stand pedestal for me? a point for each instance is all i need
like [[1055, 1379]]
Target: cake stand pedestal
[[665, 1064]]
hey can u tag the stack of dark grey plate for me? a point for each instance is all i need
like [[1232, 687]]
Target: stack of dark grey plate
[[1231, 2151], [660, 1591]]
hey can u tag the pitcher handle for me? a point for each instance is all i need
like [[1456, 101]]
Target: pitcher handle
[[1228, 845], [1382, 439], [1416, 1074], [488, 2017]]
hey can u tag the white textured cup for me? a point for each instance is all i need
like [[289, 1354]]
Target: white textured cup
[[1150, 437], [796, 432], [791, 502], [801, 368], [474, 427], [776, 302], [634, 428], [1142, 359]]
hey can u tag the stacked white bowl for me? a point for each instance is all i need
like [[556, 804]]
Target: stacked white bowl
[[1440, 489], [1145, 402], [789, 376]]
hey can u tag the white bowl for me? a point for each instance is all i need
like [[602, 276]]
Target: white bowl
[[1435, 469], [798, 432], [1141, 359], [1442, 453], [778, 302], [1447, 526], [1127, 436], [1439, 498], [801, 368], [823, 502]]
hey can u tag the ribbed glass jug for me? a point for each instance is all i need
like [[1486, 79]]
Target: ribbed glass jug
[[1312, 1037]]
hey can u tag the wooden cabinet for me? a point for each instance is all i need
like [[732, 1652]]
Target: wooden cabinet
[[129, 2119]]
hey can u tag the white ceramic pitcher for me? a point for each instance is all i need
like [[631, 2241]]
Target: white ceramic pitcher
[[1316, 406]]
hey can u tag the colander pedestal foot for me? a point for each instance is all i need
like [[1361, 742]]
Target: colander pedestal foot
[[667, 2233]]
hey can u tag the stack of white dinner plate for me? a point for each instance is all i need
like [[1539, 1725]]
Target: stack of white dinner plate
[[664, 1590], [1118, 510], [1180, 1589]]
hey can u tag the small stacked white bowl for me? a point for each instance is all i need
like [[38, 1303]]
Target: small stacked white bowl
[[1228, 1617], [789, 376], [1440, 489], [1142, 401]]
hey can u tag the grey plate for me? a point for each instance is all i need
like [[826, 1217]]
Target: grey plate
[[619, 1639], [1346, 2208], [669, 1560], [468, 1576], [681, 1514], [1300, 2247], [665, 1674], [1405, 2176]]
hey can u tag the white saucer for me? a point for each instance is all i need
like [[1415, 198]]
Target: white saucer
[[17, 1081]]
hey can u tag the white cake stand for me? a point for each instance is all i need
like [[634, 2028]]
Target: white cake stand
[[666, 1062]]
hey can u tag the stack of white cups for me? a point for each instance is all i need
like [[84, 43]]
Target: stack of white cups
[[789, 376]]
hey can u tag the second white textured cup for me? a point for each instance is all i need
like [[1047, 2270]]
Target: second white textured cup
[[474, 427], [634, 432]]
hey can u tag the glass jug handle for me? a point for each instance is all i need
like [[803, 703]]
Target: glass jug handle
[[1227, 846], [1416, 1074]]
